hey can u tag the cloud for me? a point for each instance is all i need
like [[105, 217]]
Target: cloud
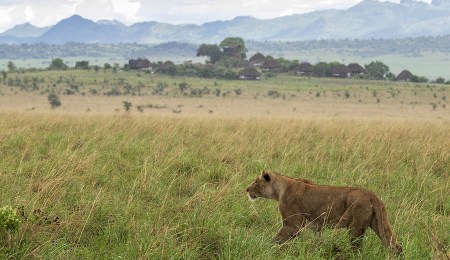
[[48, 12], [200, 11], [38, 12]]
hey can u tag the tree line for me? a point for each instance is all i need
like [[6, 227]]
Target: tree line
[[226, 59], [356, 47]]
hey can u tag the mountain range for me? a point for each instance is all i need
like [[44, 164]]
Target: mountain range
[[368, 19]]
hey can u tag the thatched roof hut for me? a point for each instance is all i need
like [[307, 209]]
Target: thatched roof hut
[[304, 68], [405, 75], [257, 60], [249, 74], [139, 64], [272, 66], [168, 64], [341, 71], [355, 68]]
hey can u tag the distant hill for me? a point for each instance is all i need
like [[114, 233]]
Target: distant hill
[[366, 20], [25, 30]]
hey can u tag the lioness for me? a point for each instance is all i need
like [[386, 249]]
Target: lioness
[[305, 204]]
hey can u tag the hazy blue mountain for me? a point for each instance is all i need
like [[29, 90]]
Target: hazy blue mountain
[[368, 19], [25, 30], [79, 29], [440, 2], [111, 22]]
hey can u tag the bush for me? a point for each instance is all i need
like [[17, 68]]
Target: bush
[[127, 105], [273, 93], [9, 221], [347, 94], [230, 75], [54, 101]]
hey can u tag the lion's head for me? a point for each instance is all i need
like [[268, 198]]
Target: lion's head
[[262, 187]]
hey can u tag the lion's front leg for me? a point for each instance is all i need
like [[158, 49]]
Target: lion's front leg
[[292, 223], [286, 233]]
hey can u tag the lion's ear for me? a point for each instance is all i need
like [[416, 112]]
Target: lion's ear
[[266, 177]]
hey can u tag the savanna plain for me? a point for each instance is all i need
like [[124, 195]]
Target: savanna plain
[[134, 165]]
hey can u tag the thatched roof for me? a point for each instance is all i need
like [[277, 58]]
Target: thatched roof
[[139, 63], [168, 64], [257, 58], [249, 72], [272, 64], [355, 68], [404, 75], [340, 70], [304, 67]]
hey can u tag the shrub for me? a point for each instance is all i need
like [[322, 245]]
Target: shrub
[[9, 221], [218, 91], [230, 75], [113, 92], [68, 91], [54, 101], [347, 94], [127, 105], [273, 93], [182, 87]]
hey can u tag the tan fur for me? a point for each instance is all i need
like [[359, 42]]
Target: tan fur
[[305, 204]]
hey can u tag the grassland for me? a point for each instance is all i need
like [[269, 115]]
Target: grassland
[[161, 184], [281, 96]]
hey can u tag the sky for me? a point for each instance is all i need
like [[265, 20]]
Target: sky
[[48, 12]]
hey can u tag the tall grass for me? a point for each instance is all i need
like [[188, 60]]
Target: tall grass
[[135, 187]]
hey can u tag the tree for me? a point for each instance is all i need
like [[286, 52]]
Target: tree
[[377, 70], [107, 66], [57, 64], [54, 101], [440, 80], [323, 69], [212, 51], [82, 65], [418, 79], [230, 75], [11, 66], [233, 46], [4, 74], [167, 67]]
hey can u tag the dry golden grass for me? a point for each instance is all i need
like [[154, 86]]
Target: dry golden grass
[[285, 96]]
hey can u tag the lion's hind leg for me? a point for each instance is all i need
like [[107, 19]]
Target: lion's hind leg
[[356, 237], [361, 217]]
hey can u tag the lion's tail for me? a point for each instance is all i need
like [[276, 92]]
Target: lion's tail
[[380, 224]]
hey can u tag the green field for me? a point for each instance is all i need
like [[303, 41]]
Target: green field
[[168, 184]]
